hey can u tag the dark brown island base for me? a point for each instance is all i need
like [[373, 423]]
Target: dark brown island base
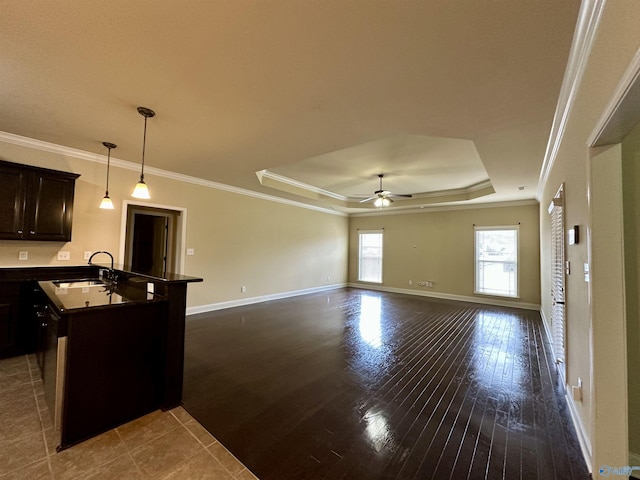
[[109, 342]]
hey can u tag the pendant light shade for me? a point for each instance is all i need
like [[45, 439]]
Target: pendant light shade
[[141, 190], [106, 203]]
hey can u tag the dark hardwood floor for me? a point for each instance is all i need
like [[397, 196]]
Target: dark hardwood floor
[[357, 384]]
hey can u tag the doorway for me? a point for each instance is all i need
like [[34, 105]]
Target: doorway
[[153, 239]]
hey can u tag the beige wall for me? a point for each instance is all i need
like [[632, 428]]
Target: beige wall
[[438, 246], [631, 210], [617, 41], [269, 247]]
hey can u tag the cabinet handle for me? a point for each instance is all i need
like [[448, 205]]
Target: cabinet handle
[[32, 232], [20, 232]]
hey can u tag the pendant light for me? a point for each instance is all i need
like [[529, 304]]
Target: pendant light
[[141, 190], [106, 203]]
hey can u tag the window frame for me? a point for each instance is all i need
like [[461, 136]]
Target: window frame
[[477, 260], [360, 235]]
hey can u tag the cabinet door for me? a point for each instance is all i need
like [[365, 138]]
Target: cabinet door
[[13, 186], [9, 321], [49, 207]]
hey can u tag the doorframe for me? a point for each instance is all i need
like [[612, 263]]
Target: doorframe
[[181, 231], [605, 234], [607, 332]]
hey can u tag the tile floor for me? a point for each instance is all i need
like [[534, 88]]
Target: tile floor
[[161, 445]]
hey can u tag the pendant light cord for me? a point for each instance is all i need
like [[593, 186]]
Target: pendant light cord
[[108, 164], [110, 146], [144, 144]]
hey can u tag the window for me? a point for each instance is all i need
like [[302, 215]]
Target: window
[[370, 256], [496, 259]]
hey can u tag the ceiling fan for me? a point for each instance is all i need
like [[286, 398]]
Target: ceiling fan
[[382, 198]]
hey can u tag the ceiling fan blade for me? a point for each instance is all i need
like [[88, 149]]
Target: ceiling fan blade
[[384, 195]]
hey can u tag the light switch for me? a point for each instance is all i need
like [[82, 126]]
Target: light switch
[[586, 273], [190, 251]]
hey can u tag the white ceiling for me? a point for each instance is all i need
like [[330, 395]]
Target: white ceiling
[[442, 96]]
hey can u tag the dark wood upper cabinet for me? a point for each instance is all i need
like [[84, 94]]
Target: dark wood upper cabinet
[[35, 203]]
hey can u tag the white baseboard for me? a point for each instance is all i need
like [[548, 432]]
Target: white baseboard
[[583, 438], [547, 328], [263, 298], [549, 334], [445, 296], [449, 296]]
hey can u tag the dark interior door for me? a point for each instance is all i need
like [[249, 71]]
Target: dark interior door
[[149, 251]]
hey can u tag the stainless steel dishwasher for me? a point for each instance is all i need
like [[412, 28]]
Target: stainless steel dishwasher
[[53, 368]]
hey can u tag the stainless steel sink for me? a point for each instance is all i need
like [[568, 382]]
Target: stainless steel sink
[[82, 283]]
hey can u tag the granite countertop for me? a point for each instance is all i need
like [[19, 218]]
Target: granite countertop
[[52, 272], [70, 296], [165, 277]]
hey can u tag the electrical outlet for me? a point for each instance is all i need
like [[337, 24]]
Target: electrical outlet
[[243, 289], [410, 282], [328, 278], [87, 255], [23, 255], [191, 251], [64, 256], [576, 393]]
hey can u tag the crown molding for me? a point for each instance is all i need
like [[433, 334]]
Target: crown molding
[[583, 37], [287, 184], [270, 179], [99, 158], [472, 191], [447, 208], [148, 170]]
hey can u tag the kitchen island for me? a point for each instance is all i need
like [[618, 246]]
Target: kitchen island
[[109, 351]]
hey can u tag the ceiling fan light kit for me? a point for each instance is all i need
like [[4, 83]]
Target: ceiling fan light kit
[[382, 202], [382, 198]]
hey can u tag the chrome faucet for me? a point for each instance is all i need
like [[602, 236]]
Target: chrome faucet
[[111, 275]]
